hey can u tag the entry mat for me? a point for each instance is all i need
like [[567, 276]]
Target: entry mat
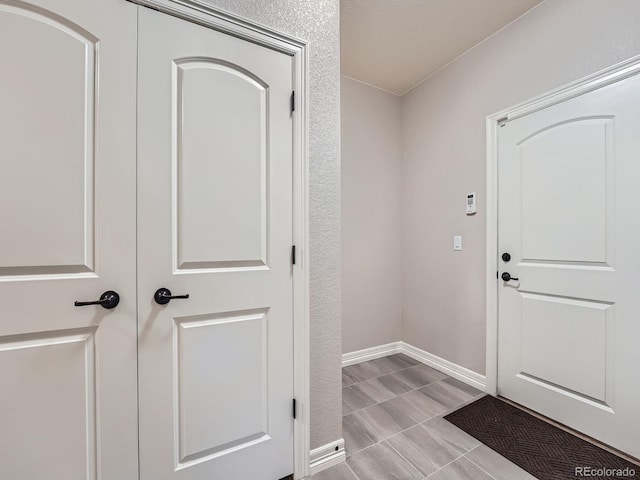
[[544, 450]]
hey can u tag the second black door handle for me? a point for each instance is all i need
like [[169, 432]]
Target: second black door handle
[[163, 296]]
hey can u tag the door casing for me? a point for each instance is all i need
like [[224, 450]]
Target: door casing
[[608, 76], [205, 15]]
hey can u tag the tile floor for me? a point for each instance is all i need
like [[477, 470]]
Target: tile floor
[[393, 428]]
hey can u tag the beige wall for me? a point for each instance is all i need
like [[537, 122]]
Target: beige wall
[[371, 264], [318, 22], [444, 157]]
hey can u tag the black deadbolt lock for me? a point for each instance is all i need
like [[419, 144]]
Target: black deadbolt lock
[[506, 257]]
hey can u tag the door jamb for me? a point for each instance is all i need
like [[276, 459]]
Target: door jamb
[[196, 11], [608, 76]]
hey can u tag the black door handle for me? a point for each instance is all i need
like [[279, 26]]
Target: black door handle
[[506, 276], [163, 296], [108, 300]]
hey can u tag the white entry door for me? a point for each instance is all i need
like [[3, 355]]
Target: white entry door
[[67, 233], [214, 223], [569, 322]]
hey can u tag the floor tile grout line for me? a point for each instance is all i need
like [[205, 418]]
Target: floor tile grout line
[[406, 393], [375, 430], [415, 466], [379, 441], [413, 389], [447, 411], [439, 438], [391, 447], [394, 394], [445, 466], [351, 469], [418, 422], [396, 371], [378, 376], [388, 400], [403, 368], [482, 469]]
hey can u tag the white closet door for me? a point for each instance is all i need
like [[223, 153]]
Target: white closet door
[[67, 233], [569, 325], [215, 222]]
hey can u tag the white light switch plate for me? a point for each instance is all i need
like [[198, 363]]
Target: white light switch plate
[[457, 242]]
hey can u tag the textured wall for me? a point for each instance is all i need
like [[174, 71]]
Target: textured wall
[[371, 261], [444, 145], [318, 22]]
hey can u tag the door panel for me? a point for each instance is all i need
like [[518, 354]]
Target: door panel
[[57, 397], [214, 221], [574, 355], [67, 233], [242, 338], [568, 217], [49, 228], [565, 220], [222, 166]]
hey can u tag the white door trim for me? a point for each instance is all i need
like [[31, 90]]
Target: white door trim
[[198, 12], [600, 79]]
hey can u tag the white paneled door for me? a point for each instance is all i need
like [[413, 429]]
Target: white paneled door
[[214, 223], [569, 322], [67, 233]]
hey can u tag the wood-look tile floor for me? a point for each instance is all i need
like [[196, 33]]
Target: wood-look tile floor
[[393, 428]]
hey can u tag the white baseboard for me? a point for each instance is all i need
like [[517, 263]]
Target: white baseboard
[[445, 366], [327, 456], [371, 353]]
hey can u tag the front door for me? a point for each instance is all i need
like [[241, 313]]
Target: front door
[[67, 233], [214, 223], [569, 321]]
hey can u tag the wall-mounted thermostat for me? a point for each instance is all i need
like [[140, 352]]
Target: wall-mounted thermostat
[[471, 203]]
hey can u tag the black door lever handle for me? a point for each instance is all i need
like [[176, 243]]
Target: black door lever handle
[[108, 300], [163, 296], [506, 276]]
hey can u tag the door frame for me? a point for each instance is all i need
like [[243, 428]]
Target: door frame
[[196, 11], [607, 76]]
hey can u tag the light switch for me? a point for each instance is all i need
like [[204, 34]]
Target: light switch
[[457, 242]]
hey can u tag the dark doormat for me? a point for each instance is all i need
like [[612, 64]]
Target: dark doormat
[[542, 449]]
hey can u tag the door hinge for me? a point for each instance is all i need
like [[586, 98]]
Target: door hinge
[[502, 121], [294, 410], [293, 101], [293, 254]]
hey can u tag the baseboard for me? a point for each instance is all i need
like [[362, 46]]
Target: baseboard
[[327, 456], [445, 366], [372, 353]]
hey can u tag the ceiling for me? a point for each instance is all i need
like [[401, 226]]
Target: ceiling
[[395, 44]]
